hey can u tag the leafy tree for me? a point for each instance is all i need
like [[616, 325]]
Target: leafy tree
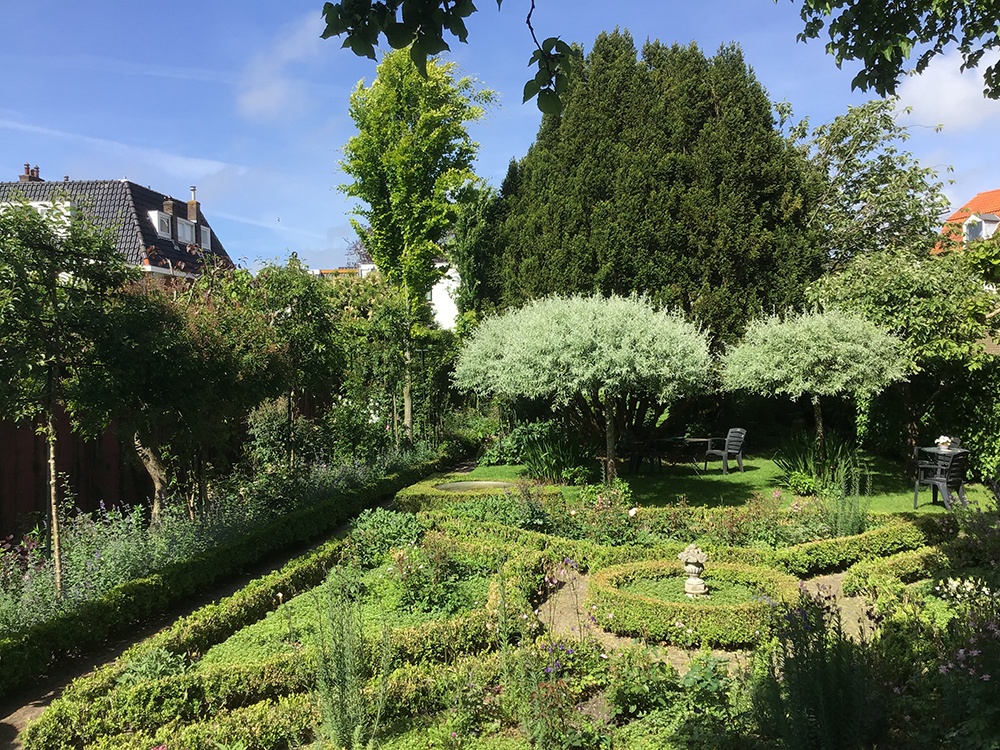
[[178, 371], [665, 176], [938, 305], [57, 274], [420, 27], [411, 157], [608, 363], [819, 354], [297, 307], [883, 36], [876, 196]]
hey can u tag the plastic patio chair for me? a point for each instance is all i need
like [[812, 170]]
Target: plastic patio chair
[[949, 474], [731, 447]]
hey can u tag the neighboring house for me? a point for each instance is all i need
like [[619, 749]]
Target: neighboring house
[[159, 234], [441, 298], [976, 220], [154, 231]]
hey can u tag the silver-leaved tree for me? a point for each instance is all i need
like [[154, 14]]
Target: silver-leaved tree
[[819, 354], [603, 362]]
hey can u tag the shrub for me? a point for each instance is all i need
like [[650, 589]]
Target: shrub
[[691, 622], [816, 687], [376, 531]]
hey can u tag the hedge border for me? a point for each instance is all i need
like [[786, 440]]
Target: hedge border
[[688, 623], [424, 496], [27, 655]]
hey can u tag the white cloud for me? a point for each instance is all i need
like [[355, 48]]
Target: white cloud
[[943, 95], [172, 165], [266, 90]]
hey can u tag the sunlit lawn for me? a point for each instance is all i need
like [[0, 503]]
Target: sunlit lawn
[[883, 484]]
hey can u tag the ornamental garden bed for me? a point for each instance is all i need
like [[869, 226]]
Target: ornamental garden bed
[[437, 611]]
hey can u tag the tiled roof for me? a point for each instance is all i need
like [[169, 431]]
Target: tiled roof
[[983, 203], [122, 206]]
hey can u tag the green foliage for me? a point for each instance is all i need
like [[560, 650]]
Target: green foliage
[[592, 357], [376, 531], [686, 623], [151, 665], [552, 453], [876, 199], [351, 713], [883, 38], [664, 176], [412, 153], [822, 468], [816, 686], [822, 353]]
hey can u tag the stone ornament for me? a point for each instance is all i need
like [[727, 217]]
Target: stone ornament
[[694, 563]]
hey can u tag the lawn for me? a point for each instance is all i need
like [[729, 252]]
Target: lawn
[[882, 484]]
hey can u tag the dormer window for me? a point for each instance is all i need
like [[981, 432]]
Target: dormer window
[[206, 237], [162, 223], [973, 228], [185, 232]]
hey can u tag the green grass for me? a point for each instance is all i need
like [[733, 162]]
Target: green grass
[[671, 589], [489, 474], [885, 487]]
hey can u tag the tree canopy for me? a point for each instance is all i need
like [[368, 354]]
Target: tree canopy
[[883, 36], [411, 156], [875, 195], [819, 354], [610, 362], [666, 176]]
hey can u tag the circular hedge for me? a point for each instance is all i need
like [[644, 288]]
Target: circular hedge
[[691, 622]]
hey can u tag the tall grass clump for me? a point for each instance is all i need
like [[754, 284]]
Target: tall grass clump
[[351, 689]]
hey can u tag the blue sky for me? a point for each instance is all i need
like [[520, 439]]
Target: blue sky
[[249, 104]]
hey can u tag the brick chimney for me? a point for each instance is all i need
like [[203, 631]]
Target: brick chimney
[[30, 174], [194, 208], [168, 206]]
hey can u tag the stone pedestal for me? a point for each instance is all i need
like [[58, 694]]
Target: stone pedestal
[[694, 563]]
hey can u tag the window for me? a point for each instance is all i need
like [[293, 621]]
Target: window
[[185, 232], [206, 237], [162, 223]]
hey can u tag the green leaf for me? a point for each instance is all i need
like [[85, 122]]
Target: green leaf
[[398, 35], [549, 102], [531, 89], [360, 47]]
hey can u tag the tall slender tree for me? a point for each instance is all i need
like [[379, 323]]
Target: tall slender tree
[[57, 272], [409, 161]]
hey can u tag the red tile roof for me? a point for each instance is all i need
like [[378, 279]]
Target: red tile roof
[[983, 203]]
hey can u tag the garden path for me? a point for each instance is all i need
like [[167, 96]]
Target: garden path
[[17, 710], [563, 614]]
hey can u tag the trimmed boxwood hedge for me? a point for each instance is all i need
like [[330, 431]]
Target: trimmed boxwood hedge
[[28, 654], [687, 623], [94, 706], [424, 495]]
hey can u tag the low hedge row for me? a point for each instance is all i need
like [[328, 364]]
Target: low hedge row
[[279, 724], [425, 495], [26, 655], [94, 706], [895, 535], [869, 577], [687, 623]]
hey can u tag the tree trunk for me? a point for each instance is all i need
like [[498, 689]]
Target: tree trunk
[[50, 439], [611, 472], [912, 428], [157, 471], [818, 418], [408, 397]]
